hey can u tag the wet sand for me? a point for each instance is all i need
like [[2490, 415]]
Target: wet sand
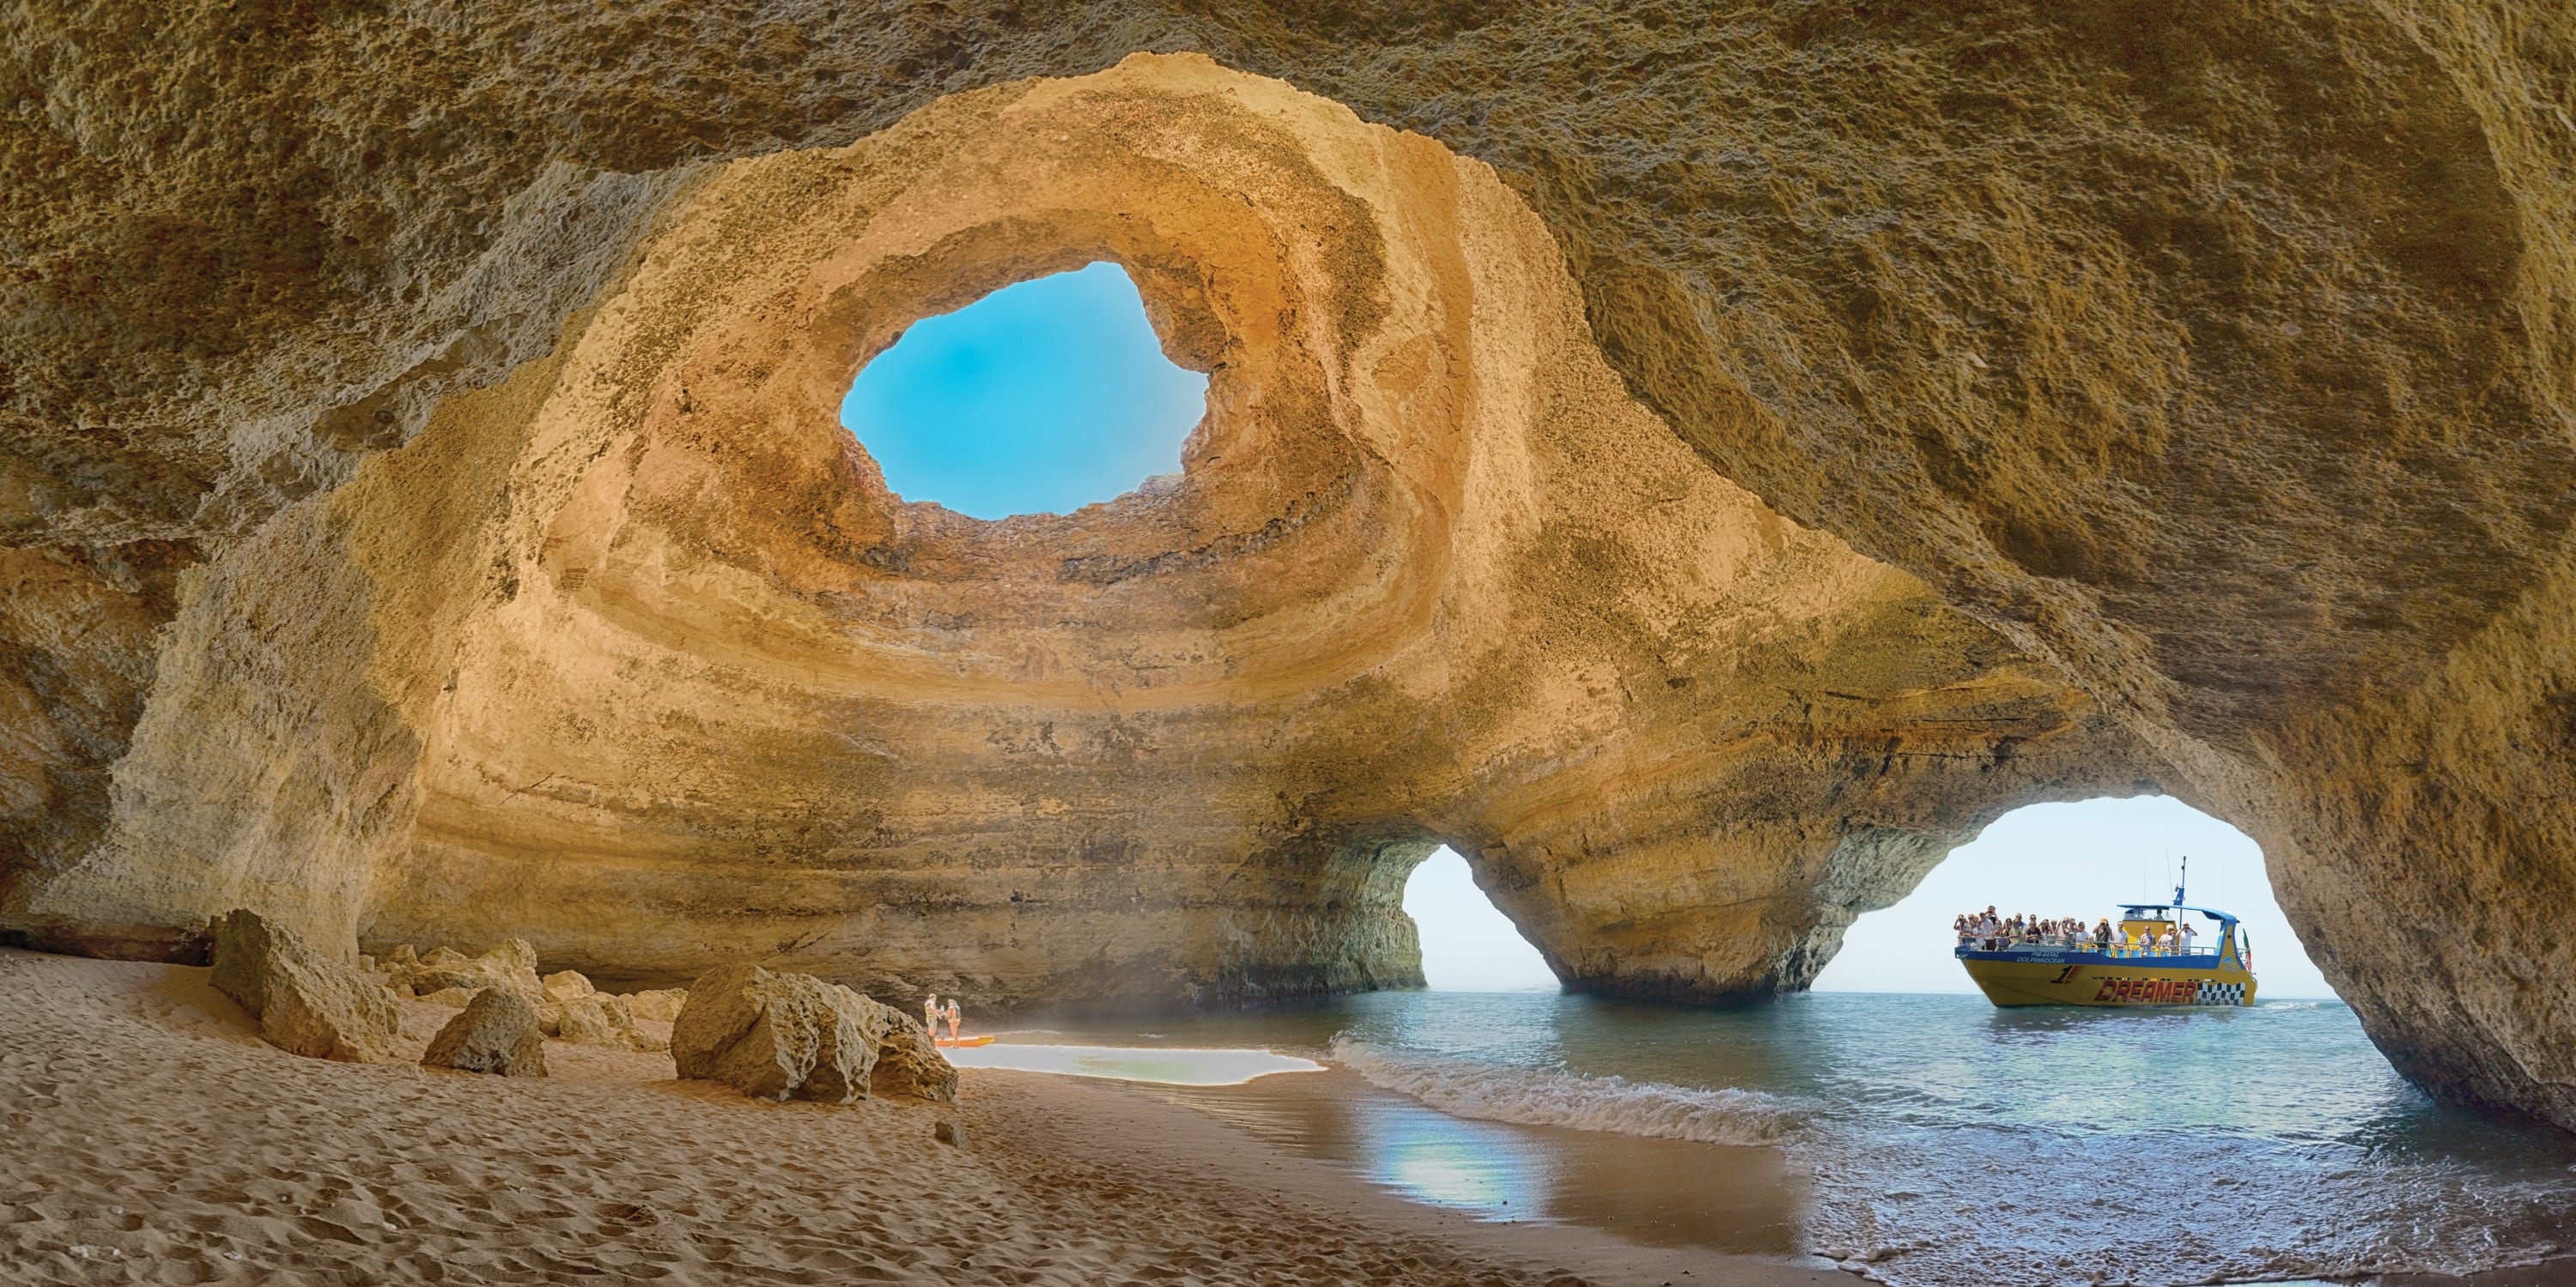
[[147, 1135], [1655, 1192]]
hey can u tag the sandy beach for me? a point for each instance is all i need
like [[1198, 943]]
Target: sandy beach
[[148, 1135]]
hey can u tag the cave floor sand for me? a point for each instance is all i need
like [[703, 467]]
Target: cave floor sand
[[147, 1135]]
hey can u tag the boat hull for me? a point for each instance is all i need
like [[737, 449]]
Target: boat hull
[[2093, 979]]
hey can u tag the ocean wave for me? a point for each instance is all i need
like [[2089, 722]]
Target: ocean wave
[[1535, 1097]]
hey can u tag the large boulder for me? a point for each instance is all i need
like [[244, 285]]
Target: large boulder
[[306, 1003], [909, 1063], [497, 1033], [782, 1036]]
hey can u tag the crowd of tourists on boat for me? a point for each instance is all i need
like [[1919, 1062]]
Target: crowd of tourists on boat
[[1987, 932]]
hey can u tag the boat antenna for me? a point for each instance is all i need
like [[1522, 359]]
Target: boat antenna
[[2178, 880]]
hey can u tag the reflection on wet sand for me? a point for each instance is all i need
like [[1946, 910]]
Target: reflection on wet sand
[[1667, 1193]]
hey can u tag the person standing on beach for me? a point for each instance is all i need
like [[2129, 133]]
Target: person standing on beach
[[956, 1016], [930, 1014]]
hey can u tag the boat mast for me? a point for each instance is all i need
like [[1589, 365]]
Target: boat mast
[[2178, 880]]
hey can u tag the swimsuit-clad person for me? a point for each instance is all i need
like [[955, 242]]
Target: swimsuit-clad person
[[930, 1013], [955, 1016]]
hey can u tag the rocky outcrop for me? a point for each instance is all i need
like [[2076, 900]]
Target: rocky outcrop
[[496, 1034], [597, 1020], [77, 636], [510, 966], [565, 1005], [781, 1036], [909, 1064], [1818, 433], [306, 1003]]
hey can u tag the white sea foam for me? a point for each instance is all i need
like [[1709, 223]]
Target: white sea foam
[[1535, 1097]]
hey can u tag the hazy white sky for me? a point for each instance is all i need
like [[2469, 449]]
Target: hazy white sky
[[1467, 946], [2051, 860]]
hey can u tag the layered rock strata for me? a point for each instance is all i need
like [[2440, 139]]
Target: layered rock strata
[[2212, 370], [635, 658]]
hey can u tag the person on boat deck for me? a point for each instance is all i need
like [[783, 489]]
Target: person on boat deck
[[2188, 934]]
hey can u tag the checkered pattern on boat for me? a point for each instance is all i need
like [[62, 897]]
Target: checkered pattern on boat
[[2220, 994]]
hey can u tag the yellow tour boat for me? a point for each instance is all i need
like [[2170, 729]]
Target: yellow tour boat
[[2138, 967]]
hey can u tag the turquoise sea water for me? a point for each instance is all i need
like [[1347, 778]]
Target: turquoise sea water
[[1949, 1142]]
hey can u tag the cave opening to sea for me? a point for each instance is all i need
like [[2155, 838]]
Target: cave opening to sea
[[2068, 860], [1468, 944], [1040, 398]]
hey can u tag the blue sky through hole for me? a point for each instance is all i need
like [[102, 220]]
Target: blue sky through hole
[[2049, 860], [1039, 398]]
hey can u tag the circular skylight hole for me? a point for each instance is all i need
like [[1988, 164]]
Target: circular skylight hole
[[1039, 398]]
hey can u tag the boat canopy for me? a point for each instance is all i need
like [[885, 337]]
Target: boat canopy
[[2226, 921], [2130, 910]]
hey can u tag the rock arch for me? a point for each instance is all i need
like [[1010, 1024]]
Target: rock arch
[[2191, 396], [634, 655]]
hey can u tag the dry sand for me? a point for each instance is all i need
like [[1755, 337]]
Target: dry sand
[[147, 1135]]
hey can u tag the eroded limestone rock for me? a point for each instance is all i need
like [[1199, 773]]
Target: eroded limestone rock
[[566, 985], [780, 1036], [596, 1020], [909, 1063], [510, 966], [497, 1033], [660, 1005], [2191, 389], [306, 1003]]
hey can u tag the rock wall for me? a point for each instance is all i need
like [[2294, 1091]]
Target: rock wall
[[634, 656], [2211, 370]]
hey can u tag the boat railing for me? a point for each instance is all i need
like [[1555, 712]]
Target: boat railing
[[2123, 951]]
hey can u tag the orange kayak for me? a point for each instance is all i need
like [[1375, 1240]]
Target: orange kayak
[[964, 1041]]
